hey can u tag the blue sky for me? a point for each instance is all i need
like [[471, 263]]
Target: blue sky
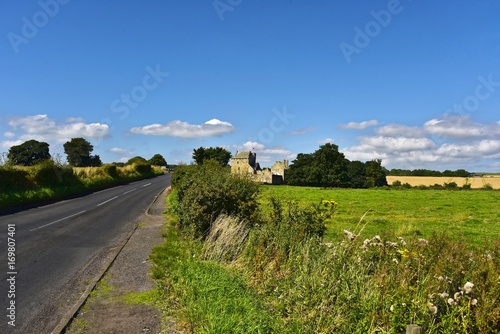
[[414, 83]]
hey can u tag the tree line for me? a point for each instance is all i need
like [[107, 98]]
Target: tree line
[[428, 172]]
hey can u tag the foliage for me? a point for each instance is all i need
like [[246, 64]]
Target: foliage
[[219, 154], [136, 160], [327, 167], [28, 153], [206, 191], [157, 160], [78, 153]]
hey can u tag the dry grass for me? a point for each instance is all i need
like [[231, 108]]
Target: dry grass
[[475, 182]]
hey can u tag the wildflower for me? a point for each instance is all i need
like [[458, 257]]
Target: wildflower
[[423, 242], [451, 301], [433, 308], [377, 237], [468, 287], [473, 302], [457, 295], [402, 241], [444, 295], [395, 261], [391, 244], [440, 278], [350, 235]]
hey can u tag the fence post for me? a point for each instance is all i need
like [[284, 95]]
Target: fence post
[[413, 329]]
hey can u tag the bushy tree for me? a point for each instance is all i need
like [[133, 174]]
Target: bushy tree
[[208, 190], [157, 160], [136, 160], [29, 153], [78, 153], [219, 154]]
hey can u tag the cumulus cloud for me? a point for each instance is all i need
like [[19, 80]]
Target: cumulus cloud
[[359, 126], [460, 127], [211, 128], [42, 128], [393, 130], [404, 144]]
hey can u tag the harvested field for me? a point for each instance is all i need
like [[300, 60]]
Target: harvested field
[[475, 182]]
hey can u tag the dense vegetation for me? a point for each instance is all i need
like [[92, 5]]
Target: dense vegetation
[[327, 167], [47, 181], [273, 270]]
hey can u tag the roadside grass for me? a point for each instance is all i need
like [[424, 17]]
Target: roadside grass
[[204, 296], [472, 215], [47, 181]]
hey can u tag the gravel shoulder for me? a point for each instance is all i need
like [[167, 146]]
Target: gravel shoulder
[[108, 310]]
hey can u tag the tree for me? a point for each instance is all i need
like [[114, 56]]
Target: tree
[[137, 160], [375, 173], [78, 153], [357, 174], [219, 154], [29, 153], [157, 160]]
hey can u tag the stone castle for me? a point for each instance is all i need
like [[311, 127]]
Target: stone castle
[[245, 163]]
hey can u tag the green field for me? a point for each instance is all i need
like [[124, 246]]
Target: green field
[[473, 215]]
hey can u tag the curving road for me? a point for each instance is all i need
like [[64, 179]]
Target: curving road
[[60, 247]]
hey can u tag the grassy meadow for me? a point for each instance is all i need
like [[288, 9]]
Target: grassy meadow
[[473, 215]]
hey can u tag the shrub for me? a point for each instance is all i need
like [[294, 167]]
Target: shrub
[[204, 192]]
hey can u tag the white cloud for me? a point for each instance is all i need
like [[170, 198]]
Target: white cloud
[[480, 149], [213, 127], [359, 126], [325, 141], [460, 127], [119, 150], [9, 134], [42, 128], [9, 143], [394, 130], [403, 144]]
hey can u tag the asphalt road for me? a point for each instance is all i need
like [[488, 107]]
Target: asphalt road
[[59, 247]]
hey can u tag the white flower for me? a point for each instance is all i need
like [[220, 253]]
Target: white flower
[[451, 301], [458, 295], [433, 308], [395, 261], [468, 287], [391, 308], [473, 302], [444, 295]]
